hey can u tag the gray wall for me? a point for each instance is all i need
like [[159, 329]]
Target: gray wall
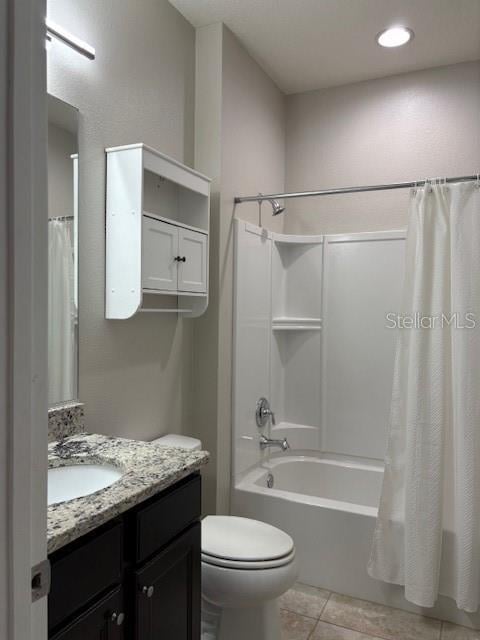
[[135, 375], [395, 129], [243, 112]]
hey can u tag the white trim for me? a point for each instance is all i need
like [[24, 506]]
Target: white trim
[[288, 238], [158, 154], [164, 292], [279, 237], [368, 236], [253, 228], [23, 350], [147, 214]]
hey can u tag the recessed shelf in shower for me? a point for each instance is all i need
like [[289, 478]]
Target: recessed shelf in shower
[[283, 323]]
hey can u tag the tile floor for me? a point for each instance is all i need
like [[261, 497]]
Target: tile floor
[[315, 614]]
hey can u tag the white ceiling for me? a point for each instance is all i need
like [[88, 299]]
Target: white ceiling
[[309, 44]]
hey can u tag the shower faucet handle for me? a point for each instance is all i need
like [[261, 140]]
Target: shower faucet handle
[[263, 412]]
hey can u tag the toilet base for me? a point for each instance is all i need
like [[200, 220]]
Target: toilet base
[[254, 623]]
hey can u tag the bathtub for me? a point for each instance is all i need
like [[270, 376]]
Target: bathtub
[[328, 504]]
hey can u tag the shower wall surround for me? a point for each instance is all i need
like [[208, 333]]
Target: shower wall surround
[[311, 335]]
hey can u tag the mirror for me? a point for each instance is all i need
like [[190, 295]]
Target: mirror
[[62, 251]]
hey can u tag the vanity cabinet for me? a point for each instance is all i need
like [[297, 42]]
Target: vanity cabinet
[[168, 591], [100, 622], [136, 577]]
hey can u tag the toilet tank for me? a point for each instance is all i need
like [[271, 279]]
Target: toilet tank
[[183, 442]]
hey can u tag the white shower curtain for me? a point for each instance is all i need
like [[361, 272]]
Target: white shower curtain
[[427, 535], [62, 313]]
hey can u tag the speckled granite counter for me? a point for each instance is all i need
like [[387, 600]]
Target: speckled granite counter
[[147, 469], [66, 419]]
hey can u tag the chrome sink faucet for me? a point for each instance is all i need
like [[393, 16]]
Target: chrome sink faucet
[[268, 442]]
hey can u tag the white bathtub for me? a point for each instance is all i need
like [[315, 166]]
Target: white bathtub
[[327, 504], [323, 481], [329, 507]]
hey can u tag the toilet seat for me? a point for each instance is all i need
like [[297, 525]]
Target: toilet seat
[[242, 543], [228, 563]]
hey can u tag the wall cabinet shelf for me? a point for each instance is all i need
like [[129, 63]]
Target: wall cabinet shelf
[[157, 234]]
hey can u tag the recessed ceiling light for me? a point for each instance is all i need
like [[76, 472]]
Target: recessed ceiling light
[[394, 37]]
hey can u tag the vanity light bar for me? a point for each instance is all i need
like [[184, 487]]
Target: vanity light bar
[[54, 31]]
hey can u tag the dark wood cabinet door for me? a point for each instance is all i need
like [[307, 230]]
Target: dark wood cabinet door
[[84, 571], [168, 591], [103, 621]]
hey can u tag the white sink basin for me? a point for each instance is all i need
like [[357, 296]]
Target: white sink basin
[[75, 481]]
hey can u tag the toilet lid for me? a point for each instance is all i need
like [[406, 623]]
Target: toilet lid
[[244, 540], [248, 564]]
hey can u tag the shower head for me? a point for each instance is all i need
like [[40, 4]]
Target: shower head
[[277, 207]]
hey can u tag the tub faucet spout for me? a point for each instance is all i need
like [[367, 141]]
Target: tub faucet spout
[[268, 442]]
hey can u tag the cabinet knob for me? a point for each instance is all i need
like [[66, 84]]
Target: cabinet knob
[[148, 591], [118, 618]]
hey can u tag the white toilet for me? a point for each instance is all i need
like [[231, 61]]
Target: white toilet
[[246, 566]]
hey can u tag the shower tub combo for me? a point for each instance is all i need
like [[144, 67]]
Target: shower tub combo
[[310, 335]]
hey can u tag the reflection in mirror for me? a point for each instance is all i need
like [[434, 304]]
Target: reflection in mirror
[[62, 251]]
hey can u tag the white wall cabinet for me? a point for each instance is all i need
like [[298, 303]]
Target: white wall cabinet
[[160, 248], [192, 261], [157, 231], [173, 258]]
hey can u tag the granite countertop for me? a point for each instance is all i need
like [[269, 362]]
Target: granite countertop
[[147, 470]]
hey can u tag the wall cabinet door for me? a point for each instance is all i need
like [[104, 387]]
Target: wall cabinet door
[[103, 621], [160, 249], [192, 267], [168, 591]]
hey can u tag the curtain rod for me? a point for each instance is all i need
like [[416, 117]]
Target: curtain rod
[[331, 192], [55, 31]]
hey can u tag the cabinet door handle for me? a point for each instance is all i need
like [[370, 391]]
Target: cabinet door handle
[[180, 259], [148, 591], [117, 618]]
